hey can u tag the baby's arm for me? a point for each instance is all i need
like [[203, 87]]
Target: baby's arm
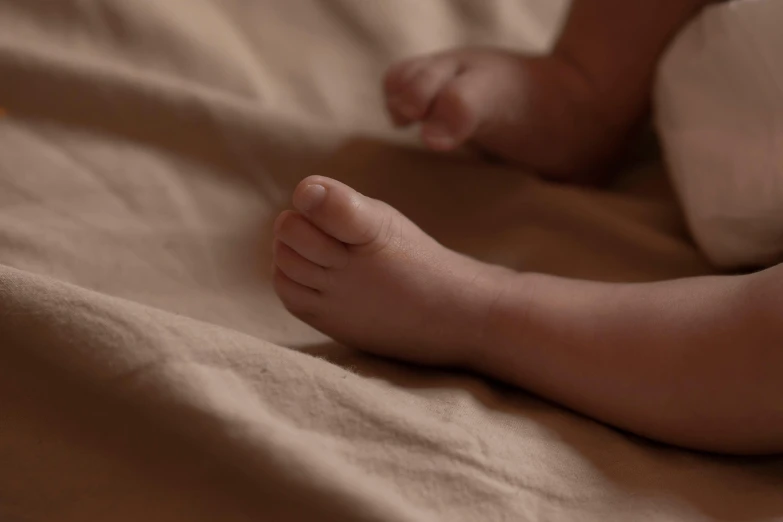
[[618, 42], [616, 46], [695, 362], [564, 115]]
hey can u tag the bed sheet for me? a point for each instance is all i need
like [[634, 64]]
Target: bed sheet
[[147, 371]]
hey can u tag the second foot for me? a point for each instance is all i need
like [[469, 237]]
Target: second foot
[[359, 271]]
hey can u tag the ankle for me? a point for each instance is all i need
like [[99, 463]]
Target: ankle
[[482, 344]]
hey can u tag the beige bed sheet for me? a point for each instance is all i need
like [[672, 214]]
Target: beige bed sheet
[[147, 371]]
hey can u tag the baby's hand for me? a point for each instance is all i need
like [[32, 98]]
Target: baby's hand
[[541, 112]]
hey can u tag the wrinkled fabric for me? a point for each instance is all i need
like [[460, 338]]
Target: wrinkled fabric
[[147, 371]]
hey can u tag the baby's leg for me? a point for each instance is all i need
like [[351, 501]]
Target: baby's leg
[[563, 114], [695, 362]]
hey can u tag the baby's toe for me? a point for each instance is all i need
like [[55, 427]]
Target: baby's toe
[[299, 269], [298, 233], [299, 300], [341, 212]]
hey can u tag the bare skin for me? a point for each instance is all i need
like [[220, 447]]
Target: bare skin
[[694, 362], [328, 254], [538, 112], [565, 114]]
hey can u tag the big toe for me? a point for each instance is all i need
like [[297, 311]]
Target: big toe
[[341, 212]]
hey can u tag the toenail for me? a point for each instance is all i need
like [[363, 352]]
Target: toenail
[[311, 197]]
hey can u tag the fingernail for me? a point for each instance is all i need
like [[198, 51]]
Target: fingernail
[[311, 197], [437, 136]]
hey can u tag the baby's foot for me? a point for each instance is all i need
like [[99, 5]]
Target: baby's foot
[[359, 271], [542, 112]]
